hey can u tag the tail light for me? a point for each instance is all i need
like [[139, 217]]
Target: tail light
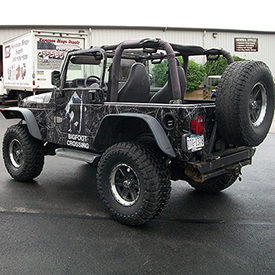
[[197, 125]]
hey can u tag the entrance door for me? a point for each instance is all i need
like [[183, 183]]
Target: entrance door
[[76, 99]]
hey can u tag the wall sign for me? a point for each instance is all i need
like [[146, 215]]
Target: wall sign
[[246, 44]]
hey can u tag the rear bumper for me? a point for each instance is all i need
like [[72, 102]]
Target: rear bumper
[[228, 164]]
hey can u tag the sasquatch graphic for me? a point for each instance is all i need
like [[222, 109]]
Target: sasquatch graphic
[[74, 111]]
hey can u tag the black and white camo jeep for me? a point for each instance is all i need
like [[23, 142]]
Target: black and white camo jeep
[[104, 111]]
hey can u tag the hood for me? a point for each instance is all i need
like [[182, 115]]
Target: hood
[[38, 99]]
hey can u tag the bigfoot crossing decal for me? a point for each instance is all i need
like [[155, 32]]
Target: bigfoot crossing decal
[[75, 113]]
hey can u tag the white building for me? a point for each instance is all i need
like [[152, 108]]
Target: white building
[[251, 45]]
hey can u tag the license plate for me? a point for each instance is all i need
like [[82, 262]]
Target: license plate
[[195, 143]]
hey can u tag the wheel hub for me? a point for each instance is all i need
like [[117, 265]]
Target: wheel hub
[[15, 152], [258, 104], [125, 185], [254, 104]]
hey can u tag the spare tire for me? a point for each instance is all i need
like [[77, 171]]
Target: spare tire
[[245, 103]]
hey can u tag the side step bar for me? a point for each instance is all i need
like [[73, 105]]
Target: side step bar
[[77, 155]]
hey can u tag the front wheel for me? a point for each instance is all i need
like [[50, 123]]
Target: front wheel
[[23, 155], [132, 183]]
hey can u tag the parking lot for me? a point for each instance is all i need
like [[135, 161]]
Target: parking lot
[[57, 224]]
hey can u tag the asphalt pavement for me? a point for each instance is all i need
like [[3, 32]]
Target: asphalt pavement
[[57, 224]]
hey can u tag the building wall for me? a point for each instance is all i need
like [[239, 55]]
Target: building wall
[[204, 38], [99, 35], [266, 43]]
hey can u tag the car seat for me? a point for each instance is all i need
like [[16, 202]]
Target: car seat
[[136, 87], [165, 95]]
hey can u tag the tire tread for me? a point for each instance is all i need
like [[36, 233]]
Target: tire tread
[[155, 177]]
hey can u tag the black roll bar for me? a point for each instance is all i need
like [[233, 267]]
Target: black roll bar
[[171, 50], [146, 43]]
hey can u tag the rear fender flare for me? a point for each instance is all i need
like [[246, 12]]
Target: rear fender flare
[[156, 129], [25, 114]]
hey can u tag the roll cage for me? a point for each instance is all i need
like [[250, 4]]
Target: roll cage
[[154, 50], [150, 52]]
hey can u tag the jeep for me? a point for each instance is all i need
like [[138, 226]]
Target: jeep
[[103, 111]]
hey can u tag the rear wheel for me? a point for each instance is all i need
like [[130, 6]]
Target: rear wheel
[[245, 103], [23, 155], [214, 185], [134, 186]]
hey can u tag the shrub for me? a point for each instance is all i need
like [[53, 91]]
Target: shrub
[[217, 67], [195, 74], [160, 73]]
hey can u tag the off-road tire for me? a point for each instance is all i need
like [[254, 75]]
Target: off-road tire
[[162, 161], [214, 185], [245, 103], [23, 155], [132, 183]]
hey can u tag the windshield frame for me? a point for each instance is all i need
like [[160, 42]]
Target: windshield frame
[[98, 52]]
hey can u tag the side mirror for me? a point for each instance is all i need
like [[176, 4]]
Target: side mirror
[[56, 78]]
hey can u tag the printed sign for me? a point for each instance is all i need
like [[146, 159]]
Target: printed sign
[[246, 44], [29, 59], [51, 51], [17, 70]]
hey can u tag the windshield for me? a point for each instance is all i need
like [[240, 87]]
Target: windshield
[[83, 71]]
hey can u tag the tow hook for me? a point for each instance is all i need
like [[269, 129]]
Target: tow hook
[[240, 172], [236, 171]]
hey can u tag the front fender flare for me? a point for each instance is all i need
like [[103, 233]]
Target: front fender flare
[[154, 126], [25, 114]]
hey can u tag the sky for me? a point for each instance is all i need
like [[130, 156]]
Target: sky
[[232, 14]]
